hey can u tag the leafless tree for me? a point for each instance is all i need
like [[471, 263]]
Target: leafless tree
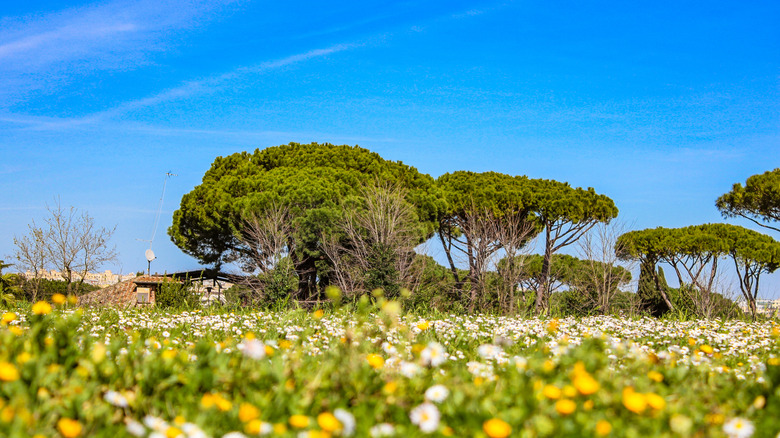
[[513, 233], [697, 274], [31, 255], [381, 228], [75, 244], [600, 269], [71, 242], [268, 240]]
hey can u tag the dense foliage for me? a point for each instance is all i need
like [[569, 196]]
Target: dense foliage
[[758, 200], [313, 181]]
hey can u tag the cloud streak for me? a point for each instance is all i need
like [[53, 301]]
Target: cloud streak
[[182, 91], [43, 51]]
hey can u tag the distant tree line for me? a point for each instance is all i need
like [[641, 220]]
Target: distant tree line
[[303, 217]]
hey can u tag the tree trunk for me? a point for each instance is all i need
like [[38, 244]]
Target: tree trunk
[[542, 303]]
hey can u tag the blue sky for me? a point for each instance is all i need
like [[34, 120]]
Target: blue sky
[[662, 105]]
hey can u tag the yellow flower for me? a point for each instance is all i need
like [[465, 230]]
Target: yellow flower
[[565, 406], [375, 361], [552, 327], [173, 432], [318, 314], [634, 401], [706, 349], [58, 299], [69, 428], [72, 299], [655, 401], [655, 376], [23, 358], [8, 317], [248, 412], [207, 401], [253, 427], [328, 422], [8, 372], [41, 308], [285, 344], [586, 384], [496, 428], [423, 325], [16, 330], [222, 403], [299, 421], [552, 392], [603, 428], [390, 387], [280, 429], [169, 354]]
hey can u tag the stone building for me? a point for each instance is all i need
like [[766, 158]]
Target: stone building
[[138, 291]]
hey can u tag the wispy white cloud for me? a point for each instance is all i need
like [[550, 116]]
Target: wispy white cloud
[[42, 51], [182, 91]]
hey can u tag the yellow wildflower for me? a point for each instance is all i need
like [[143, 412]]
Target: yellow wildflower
[[603, 428], [222, 403], [423, 325], [706, 348], [8, 372], [8, 317], [248, 412], [565, 406], [318, 314], [496, 428], [552, 392], [16, 330], [253, 427], [634, 401], [285, 344], [390, 387], [41, 308], [207, 401], [586, 384], [23, 358], [376, 361], [299, 421], [328, 422], [655, 401], [655, 376], [173, 432], [280, 429], [58, 299], [69, 428]]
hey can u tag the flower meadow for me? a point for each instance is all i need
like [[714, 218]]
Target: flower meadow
[[375, 371]]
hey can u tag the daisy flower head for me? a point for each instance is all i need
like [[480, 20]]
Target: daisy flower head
[[490, 351], [433, 354], [347, 421], [115, 399], [426, 416], [252, 348], [408, 369], [437, 393], [382, 430], [738, 428]]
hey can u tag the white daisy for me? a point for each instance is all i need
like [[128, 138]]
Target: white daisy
[[738, 428], [434, 354], [252, 348], [426, 416], [382, 429], [437, 393], [347, 421]]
